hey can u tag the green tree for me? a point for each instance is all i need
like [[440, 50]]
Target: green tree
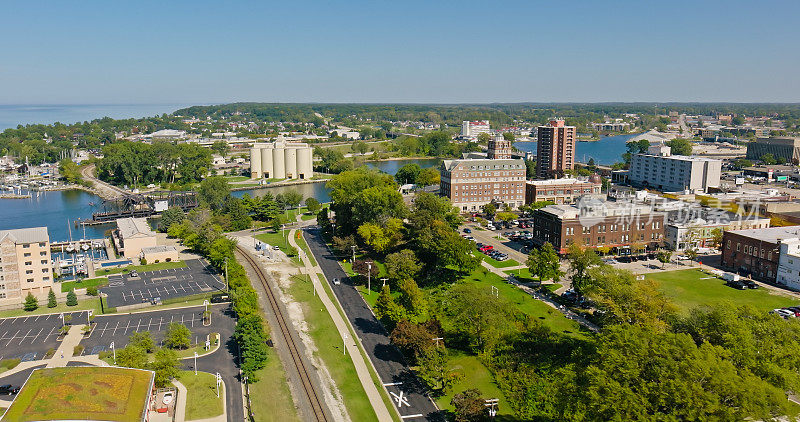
[[483, 318], [172, 215], [221, 148], [31, 303], [506, 216], [664, 257], [412, 298], [489, 209], [769, 159], [143, 340], [413, 338], [252, 339], [51, 299], [580, 260], [402, 265], [387, 310], [132, 357], [292, 198], [213, 191], [236, 211], [428, 176], [469, 406], [312, 205], [69, 171], [508, 136], [544, 263], [680, 146], [483, 137], [434, 370], [408, 173], [177, 336], [245, 301], [165, 365], [72, 298]]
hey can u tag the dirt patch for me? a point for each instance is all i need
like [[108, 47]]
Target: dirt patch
[[103, 384], [76, 387]]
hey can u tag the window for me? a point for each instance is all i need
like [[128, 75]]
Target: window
[[45, 270], [26, 246], [28, 263], [43, 253], [46, 278], [30, 280], [44, 261], [27, 254], [42, 244], [2, 295], [28, 271]]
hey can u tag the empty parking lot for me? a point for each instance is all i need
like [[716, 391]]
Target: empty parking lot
[[29, 337], [196, 278]]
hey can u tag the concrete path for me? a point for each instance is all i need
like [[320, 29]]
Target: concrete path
[[561, 308], [67, 347], [362, 370]]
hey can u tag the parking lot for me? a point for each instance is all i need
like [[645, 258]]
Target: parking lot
[[196, 278], [29, 337], [117, 328]]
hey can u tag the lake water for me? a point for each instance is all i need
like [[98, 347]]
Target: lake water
[[323, 194], [606, 151], [13, 115], [53, 210]]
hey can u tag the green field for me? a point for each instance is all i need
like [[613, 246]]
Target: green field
[[301, 241], [328, 341], [476, 375], [82, 393], [694, 288], [270, 396], [201, 395], [495, 263], [142, 268], [66, 286]]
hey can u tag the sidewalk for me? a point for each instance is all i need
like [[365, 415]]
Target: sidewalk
[[362, 370], [67, 347]]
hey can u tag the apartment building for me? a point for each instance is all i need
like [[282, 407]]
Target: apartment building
[[499, 149], [24, 265], [620, 227], [471, 129], [555, 149], [661, 170], [756, 252], [472, 183], [561, 191]]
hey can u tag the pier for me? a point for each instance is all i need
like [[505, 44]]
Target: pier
[[141, 205]]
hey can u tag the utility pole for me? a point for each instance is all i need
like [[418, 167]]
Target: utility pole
[[344, 343], [226, 274], [195, 363], [384, 281], [354, 254], [114, 351]]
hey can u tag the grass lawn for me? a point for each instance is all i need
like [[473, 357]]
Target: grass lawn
[[270, 396], [693, 288], [301, 241], [142, 268], [278, 239], [66, 286], [201, 395], [539, 310], [495, 263], [93, 304], [476, 375], [82, 393], [328, 341], [236, 178]]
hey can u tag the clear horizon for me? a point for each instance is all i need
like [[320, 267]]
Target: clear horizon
[[97, 53]]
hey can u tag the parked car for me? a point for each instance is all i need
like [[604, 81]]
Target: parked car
[[336, 281], [750, 284], [467, 230], [795, 312], [485, 248], [737, 285], [133, 274]]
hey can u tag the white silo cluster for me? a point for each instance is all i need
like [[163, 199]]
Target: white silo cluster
[[281, 160]]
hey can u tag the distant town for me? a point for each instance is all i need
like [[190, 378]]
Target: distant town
[[358, 262]]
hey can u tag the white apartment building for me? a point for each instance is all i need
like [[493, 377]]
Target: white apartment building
[[789, 263], [471, 129], [281, 160], [24, 265], [661, 170]]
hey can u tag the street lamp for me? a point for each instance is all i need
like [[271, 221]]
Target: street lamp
[[226, 274], [205, 303], [114, 351], [344, 343], [384, 281], [369, 277], [195, 363], [219, 381], [354, 254]]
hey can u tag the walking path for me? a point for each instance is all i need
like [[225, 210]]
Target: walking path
[[362, 371], [561, 308], [101, 188]]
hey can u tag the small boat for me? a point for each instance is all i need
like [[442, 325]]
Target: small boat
[[85, 246], [70, 248], [168, 397]]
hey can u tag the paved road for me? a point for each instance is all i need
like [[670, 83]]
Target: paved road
[[387, 359]]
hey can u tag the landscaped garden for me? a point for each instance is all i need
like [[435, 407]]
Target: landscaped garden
[[201, 395]]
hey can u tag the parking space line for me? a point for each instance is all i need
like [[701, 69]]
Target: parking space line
[[48, 334], [12, 338], [23, 337], [103, 331], [37, 335]]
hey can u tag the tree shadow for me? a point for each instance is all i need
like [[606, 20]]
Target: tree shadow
[[388, 353], [369, 326]]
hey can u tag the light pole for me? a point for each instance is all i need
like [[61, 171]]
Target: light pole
[[226, 274], [354, 254], [219, 381], [384, 281], [113, 350], [344, 343], [89, 317], [369, 277], [62, 320], [283, 230], [195, 363]]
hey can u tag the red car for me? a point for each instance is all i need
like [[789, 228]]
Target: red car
[[485, 248]]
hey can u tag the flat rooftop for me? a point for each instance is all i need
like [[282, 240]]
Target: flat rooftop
[[771, 234], [83, 393], [23, 236]]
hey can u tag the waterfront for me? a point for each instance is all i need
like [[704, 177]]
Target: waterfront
[[606, 151], [12, 115], [53, 209]]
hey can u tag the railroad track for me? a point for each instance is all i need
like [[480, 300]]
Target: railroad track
[[308, 387]]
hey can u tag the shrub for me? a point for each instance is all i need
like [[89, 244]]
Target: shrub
[[9, 363], [51, 299], [91, 290], [77, 350], [50, 352], [72, 298], [31, 303]]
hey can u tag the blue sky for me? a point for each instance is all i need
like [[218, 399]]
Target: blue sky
[[59, 52]]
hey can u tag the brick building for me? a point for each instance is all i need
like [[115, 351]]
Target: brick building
[[555, 149], [560, 191], [621, 227], [755, 252], [472, 183]]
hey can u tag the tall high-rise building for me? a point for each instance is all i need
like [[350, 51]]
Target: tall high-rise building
[[472, 129], [24, 265], [499, 149], [555, 149]]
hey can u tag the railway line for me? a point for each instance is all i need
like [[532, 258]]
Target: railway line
[[314, 398]]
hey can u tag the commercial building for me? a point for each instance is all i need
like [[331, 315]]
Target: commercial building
[[555, 149], [472, 183], [661, 170], [561, 191], [499, 149], [471, 129], [24, 265], [702, 231], [789, 263], [755, 252], [281, 160], [132, 235], [622, 228], [156, 254], [785, 149]]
